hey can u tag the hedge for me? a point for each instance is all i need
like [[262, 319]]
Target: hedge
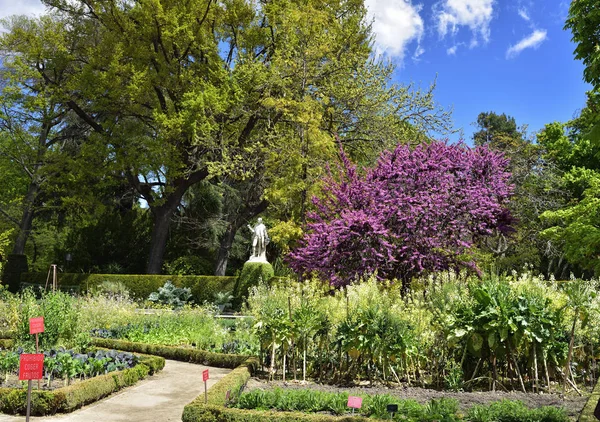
[[203, 288], [233, 381], [183, 354], [251, 274], [587, 414], [213, 413], [67, 399]]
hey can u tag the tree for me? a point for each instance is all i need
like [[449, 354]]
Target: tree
[[417, 210], [36, 56], [497, 130]]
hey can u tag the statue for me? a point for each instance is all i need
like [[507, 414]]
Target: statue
[[260, 240]]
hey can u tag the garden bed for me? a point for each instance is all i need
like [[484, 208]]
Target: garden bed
[[68, 398], [572, 404]]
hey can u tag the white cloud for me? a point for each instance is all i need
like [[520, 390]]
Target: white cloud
[[396, 23], [452, 50], [523, 13], [532, 41], [474, 14], [21, 7]]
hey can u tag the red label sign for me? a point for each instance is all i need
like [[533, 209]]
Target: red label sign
[[31, 366], [205, 375], [355, 402], [36, 325]]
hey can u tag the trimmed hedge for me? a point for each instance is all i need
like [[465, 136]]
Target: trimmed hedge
[[67, 399], [251, 274], [182, 354], [587, 414], [203, 288], [233, 382], [213, 413]]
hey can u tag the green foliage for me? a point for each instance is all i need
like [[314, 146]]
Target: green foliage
[[252, 274], [60, 312], [183, 354], [312, 401], [203, 288], [171, 296], [67, 399], [15, 266]]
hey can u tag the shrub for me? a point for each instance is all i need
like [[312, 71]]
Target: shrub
[[169, 295], [252, 273]]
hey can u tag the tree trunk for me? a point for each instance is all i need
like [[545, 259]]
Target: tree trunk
[[225, 249], [26, 219], [160, 232]]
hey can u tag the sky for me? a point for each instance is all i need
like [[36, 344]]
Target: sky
[[506, 56]]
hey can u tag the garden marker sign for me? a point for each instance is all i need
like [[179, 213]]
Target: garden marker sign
[[205, 378], [354, 403], [31, 367], [36, 325]]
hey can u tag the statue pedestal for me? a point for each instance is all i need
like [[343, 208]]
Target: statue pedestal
[[254, 270]]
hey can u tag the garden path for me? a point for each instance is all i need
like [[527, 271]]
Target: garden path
[[158, 398]]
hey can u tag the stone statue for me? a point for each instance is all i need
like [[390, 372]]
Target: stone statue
[[260, 240]]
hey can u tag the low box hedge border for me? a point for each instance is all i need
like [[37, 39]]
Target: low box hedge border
[[67, 399], [216, 411], [587, 414], [182, 354]]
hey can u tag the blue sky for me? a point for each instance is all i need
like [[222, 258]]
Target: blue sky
[[510, 57], [507, 56]]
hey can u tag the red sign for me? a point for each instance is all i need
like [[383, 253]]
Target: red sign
[[355, 402], [205, 375], [36, 325], [31, 366]]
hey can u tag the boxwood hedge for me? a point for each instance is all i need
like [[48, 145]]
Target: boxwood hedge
[[67, 399], [183, 354], [203, 288]]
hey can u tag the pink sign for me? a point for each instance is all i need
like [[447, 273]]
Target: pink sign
[[205, 375], [355, 402], [36, 325]]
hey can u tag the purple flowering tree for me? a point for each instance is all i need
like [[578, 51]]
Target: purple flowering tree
[[417, 210]]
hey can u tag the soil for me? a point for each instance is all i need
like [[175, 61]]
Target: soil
[[572, 404]]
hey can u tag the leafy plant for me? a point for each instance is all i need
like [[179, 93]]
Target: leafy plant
[[170, 295]]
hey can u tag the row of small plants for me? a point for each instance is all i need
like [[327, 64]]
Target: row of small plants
[[456, 332], [69, 365], [376, 406]]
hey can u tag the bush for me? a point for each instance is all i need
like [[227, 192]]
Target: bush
[[251, 275], [203, 288], [60, 312], [169, 295], [183, 354]]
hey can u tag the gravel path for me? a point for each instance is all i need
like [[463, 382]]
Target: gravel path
[[159, 398]]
